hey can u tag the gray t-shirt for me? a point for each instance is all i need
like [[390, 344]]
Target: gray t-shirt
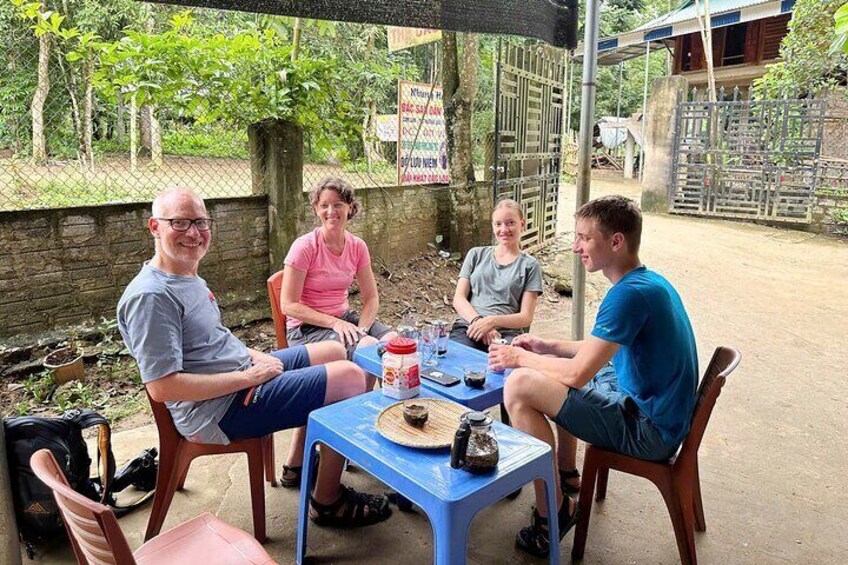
[[171, 323], [496, 290]]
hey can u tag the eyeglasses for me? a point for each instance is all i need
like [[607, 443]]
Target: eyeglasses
[[184, 224]]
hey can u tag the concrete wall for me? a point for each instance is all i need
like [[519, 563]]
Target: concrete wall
[[659, 142], [69, 266]]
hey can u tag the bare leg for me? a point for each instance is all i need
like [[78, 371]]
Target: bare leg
[[567, 454], [319, 354], [530, 397], [344, 380]]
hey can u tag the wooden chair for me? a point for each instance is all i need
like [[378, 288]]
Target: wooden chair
[[677, 479], [96, 536], [275, 284], [176, 454]]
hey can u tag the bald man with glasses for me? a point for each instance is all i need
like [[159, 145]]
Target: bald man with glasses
[[217, 389]]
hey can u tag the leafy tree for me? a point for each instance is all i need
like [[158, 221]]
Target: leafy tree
[[808, 63]]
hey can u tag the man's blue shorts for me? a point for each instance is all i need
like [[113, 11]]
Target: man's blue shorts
[[602, 415], [283, 402]]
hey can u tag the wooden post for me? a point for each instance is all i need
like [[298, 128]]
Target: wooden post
[[629, 153]]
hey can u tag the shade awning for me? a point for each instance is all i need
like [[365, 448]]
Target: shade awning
[[552, 21]]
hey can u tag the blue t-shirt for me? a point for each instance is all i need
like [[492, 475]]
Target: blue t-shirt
[[657, 363]]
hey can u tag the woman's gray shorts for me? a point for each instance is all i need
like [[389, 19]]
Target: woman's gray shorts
[[307, 333]]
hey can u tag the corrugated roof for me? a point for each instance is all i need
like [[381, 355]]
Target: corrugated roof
[[687, 11]]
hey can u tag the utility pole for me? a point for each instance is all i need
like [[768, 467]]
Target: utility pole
[[584, 156]]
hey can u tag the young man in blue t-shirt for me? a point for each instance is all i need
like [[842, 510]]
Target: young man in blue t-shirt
[[640, 405]]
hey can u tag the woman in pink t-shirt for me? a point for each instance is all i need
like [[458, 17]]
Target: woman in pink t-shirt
[[319, 269]]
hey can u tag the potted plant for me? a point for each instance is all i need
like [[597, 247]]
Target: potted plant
[[65, 364]]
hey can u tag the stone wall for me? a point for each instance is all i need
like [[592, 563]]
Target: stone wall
[[68, 266]]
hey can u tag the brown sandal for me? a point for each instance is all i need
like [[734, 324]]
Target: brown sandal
[[359, 509], [535, 539]]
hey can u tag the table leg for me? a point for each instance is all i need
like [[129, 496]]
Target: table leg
[[307, 480], [450, 529], [553, 524], [504, 415]]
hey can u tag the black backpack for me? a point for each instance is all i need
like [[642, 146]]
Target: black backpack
[[35, 508]]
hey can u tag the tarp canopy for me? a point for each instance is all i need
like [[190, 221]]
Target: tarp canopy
[[553, 21], [683, 20]]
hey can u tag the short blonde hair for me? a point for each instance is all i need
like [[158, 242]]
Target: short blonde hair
[[509, 203]]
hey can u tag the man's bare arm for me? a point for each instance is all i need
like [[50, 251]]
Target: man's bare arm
[[195, 387], [575, 372]]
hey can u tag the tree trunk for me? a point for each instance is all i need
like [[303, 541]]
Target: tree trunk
[[296, 39], [42, 89], [146, 115], [133, 134], [459, 89], [88, 113], [120, 126], [155, 138]]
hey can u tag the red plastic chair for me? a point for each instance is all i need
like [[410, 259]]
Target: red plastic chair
[[275, 285], [677, 479], [96, 536], [176, 454]]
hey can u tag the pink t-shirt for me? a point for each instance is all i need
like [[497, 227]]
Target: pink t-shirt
[[328, 276]]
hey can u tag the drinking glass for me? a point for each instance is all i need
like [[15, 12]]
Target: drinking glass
[[408, 326], [427, 342]]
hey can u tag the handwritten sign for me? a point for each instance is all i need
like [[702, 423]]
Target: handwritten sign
[[422, 156], [404, 37]]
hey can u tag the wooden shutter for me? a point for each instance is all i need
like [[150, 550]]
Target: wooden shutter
[[698, 61], [773, 31], [718, 46], [752, 41]]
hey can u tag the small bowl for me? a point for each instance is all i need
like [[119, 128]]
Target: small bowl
[[415, 414], [475, 379]]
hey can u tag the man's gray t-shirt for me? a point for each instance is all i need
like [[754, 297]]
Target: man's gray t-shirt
[[171, 323], [496, 290]]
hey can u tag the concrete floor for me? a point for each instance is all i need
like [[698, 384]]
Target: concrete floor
[[773, 460]]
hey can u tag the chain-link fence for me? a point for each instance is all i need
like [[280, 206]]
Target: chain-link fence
[[73, 133]]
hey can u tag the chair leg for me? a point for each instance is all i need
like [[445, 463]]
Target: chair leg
[[680, 510], [269, 460], [587, 489], [700, 522], [167, 478], [183, 476], [256, 471], [603, 477]]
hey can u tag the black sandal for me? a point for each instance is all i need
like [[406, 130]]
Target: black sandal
[[360, 509], [534, 538], [291, 476], [567, 489]]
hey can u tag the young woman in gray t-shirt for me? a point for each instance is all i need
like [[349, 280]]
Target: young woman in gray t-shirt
[[498, 285]]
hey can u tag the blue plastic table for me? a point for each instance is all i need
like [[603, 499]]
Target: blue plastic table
[[458, 357], [450, 497]]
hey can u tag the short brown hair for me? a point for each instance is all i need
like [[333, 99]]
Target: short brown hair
[[615, 214], [342, 188]]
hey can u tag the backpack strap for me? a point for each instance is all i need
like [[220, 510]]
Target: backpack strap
[[105, 458]]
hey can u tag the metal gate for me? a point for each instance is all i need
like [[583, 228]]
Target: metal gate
[[747, 159], [528, 135]]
